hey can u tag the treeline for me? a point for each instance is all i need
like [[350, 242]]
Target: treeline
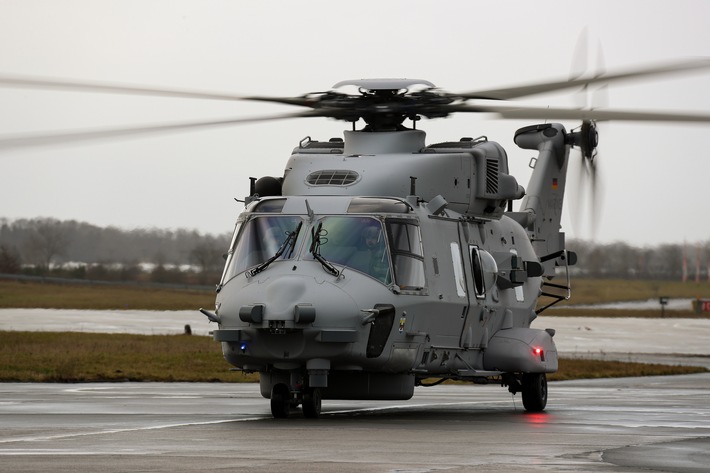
[[50, 247], [623, 261]]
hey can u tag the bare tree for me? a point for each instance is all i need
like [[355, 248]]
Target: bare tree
[[10, 261], [207, 254], [47, 240]]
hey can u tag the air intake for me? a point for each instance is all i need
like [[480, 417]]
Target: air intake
[[491, 176], [332, 178]]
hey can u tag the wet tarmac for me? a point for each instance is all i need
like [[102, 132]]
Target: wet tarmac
[[622, 425]]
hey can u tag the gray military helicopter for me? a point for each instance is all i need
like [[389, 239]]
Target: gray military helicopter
[[378, 262]]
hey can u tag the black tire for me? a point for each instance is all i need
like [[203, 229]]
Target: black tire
[[534, 392], [280, 401], [311, 403]]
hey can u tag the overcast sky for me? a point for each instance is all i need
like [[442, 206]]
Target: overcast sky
[[654, 176]]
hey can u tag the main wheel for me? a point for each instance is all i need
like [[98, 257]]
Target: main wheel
[[534, 392], [311, 403], [280, 401]]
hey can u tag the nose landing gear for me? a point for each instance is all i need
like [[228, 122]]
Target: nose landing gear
[[283, 400], [311, 403]]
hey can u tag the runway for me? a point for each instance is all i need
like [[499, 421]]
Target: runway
[[628, 425]]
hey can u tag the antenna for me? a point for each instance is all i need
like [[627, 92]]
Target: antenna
[[310, 212]]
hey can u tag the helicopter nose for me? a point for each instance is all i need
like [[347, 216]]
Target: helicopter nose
[[281, 295], [283, 302]]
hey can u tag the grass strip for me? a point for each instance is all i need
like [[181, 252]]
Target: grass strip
[[625, 313], [90, 357], [14, 294], [598, 291], [96, 357]]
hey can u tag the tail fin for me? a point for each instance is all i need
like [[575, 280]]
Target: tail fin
[[541, 208]]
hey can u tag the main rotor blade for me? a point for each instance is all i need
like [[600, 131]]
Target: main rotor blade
[[523, 112], [34, 82], [31, 140], [552, 86], [19, 81]]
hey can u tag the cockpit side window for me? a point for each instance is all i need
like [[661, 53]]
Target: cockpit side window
[[229, 256], [407, 253], [257, 240]]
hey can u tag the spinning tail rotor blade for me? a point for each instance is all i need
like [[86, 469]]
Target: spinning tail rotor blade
[[585, 197], [586, 200], [596, 197], [591, 189]]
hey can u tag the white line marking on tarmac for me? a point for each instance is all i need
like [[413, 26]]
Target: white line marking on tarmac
[[222, 421]]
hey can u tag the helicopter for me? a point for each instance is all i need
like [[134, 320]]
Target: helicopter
[[378, 262]]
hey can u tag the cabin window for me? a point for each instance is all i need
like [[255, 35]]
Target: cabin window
[[519, 291], [485, 271], [458, 270], [407, 253], [369, 205], [477, 268], [358, 243], [270, 206], [257, 240]]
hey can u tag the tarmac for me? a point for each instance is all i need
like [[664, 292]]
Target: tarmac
[[621, 425]]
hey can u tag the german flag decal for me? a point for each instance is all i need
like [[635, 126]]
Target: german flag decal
[[554, 183]]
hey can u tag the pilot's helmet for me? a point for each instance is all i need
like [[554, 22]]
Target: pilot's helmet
[[371, 236]]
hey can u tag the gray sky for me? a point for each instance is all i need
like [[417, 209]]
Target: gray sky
[[655, 176]]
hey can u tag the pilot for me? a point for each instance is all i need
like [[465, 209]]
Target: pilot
[[371, 256]]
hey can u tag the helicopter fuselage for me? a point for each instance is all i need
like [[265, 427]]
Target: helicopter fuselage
[[361, 286]]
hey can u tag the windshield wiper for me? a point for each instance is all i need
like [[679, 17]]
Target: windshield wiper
[[289, 243], [316, 241]]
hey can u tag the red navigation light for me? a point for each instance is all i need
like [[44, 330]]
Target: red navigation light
[[539, 352]]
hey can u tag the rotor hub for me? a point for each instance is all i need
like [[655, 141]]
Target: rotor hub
[[587, 139]]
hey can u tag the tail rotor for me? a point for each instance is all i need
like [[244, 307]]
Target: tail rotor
[[585, 140]]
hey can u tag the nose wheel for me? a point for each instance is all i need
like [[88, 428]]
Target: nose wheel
[[280, 401], [311, 403]]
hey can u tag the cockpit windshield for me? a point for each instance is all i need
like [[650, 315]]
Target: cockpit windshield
[[389, 251], [259, 240], [355, 242]]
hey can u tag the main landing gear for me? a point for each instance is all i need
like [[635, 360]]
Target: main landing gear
[[534, 389], [283, 400]]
